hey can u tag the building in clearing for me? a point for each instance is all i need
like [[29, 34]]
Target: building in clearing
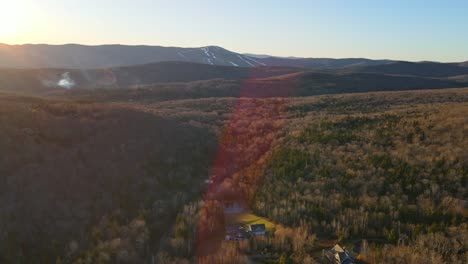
[[342, 255], [236, 232], [258, 229]]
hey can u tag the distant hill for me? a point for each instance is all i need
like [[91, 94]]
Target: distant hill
[[460, 78], [318, 83], [185, 72], [122, 77], [194, 80], [321, 63], [289, 85], [82, 56], [85, 57], [423, 69]]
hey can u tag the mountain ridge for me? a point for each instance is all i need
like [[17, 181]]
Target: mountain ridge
[[79, 56], [421, 69]]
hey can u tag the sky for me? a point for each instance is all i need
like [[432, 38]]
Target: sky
[[412, 30]]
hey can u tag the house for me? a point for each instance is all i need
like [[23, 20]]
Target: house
[[236, 232], [258, 229], [342, 255]]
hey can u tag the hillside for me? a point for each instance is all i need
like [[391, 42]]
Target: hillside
[[42, 80], [289, 85], [67, 167], [422, 69], [460, 78], [166, 72], [383, 173], [172, 80], [321, 63], [101, 179], [317, 83]]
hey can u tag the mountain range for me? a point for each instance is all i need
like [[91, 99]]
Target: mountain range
[[84, 57], [81, 56], [39, 68]]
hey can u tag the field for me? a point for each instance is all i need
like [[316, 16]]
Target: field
[[250, 219]]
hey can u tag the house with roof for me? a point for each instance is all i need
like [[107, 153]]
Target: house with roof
[[257, 229], [236, 232], [339, 255]]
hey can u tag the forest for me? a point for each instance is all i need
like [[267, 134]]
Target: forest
[[383, 173]]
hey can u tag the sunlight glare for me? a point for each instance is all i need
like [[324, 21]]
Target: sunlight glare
[[13, 18]]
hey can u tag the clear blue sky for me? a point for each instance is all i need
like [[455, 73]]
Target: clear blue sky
[[397, 29]]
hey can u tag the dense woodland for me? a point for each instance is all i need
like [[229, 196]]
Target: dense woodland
[[75, 174], [123, 182], [384, 173]]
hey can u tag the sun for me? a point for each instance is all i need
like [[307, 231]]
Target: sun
[[13, 18]]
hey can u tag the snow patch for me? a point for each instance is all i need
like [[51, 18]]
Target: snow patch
[[233, 64], [214, 56], [263, 64], [206, 52], [209, 56], [248, 62], [181, 55], [208, 60]]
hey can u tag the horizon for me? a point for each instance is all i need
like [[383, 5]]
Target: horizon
[[415, 31], [239, 52]]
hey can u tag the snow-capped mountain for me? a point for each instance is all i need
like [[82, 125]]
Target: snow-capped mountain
[[82, 56], [75, 56], [217, 56]]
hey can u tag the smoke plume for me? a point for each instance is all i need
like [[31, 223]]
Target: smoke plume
[[66, 81]]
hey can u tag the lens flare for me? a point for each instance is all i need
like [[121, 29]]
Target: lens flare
[[239, 150]]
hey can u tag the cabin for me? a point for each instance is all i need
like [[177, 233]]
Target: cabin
[[236, 232], [341, 255], [258, 229]]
